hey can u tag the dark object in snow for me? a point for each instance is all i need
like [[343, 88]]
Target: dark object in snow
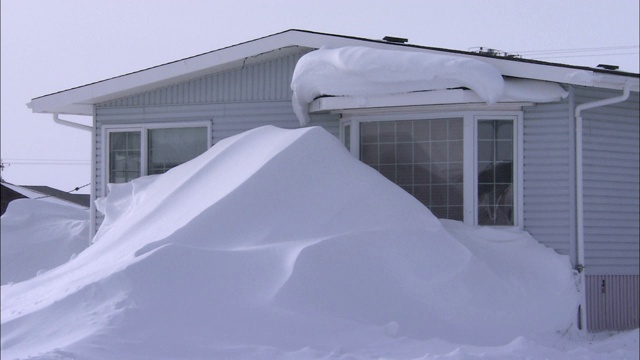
[[394, 39], [608, 67], [79, 199], [8, 195]]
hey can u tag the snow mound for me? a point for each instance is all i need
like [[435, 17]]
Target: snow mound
[[365, 71], [38, 236], [278, 243]]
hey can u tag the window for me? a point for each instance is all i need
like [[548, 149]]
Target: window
[[171, 147], [424, 157], [124, 156], [134, 152], [461, 165], [495, 172]]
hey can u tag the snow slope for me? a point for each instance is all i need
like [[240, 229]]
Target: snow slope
[[279, 244], [57, 232]]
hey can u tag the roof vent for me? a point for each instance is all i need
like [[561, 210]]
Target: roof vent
[[493, 52], [608, 67], [395, 39]]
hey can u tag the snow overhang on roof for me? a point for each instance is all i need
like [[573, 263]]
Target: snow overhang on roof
[[80, 100]]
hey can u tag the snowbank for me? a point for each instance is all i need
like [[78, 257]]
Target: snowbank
[[39, 235], [279, 244]]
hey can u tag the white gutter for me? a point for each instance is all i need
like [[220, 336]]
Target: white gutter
[[72, 124], [580, 195], [92, 206]]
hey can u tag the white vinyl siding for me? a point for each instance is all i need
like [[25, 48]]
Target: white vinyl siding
[[549, 175], [611, 190]]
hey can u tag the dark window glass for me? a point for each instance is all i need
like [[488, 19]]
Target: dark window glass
[[424, 157], [495, 172], [124, 156]]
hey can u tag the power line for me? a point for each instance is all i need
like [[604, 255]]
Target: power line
[[46, 161], [557, 51], [574, 56]]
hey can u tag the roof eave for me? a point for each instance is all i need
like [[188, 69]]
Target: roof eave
[[80, 100]]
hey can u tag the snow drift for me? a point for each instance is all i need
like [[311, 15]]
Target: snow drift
[[365, 72], [57, 233], [280, 241]]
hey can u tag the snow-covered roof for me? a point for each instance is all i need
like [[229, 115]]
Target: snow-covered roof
[[80, 100], [48, 194]]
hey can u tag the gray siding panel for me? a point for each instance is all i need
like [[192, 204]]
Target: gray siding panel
[[263, 81], [613, 302], [611, 190], [548, 190]]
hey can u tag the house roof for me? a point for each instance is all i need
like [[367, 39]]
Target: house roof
[[80, 100], [46, 193]]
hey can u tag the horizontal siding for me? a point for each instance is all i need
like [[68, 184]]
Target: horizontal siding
[[548, 166], [227, 120], [611, 191], [613, 302], [268, 80]]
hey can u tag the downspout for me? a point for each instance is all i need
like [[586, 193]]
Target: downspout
[[580, 266], [92, 206]]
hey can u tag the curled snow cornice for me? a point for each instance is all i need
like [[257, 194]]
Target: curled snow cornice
[[362, 71]]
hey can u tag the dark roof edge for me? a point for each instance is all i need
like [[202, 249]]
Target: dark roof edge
[[538, 62]]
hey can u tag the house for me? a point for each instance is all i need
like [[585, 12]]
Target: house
[[550, 148]]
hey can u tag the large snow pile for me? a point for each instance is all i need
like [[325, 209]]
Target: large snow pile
[[279, 244], [56, 233]]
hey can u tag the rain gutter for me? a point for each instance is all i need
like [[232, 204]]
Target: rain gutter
[[92, 196], [580, 264]]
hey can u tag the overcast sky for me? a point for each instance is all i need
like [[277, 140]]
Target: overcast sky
[[48, 46]]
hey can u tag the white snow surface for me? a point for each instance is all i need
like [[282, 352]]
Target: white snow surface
[[278, 244], [56, 233], [361, 71]]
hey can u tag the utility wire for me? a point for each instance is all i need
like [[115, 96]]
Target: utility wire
[[70, 191], [573, 56], [558, 51]]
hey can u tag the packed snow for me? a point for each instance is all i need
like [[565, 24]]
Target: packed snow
[[279, 244], [56, 233], [361, 71]]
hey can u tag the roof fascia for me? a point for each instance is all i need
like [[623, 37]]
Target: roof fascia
[[80, 100]]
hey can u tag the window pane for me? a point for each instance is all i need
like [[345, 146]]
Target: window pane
[[495, 172], [171, 147], [347, 136], [424, 157], [124, 156]]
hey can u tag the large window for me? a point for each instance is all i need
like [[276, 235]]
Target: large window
[[423, 157], [171, 147], [460, 165], [134, 152]]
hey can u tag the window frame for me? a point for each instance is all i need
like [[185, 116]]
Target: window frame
[[470, 143], [107, 130]]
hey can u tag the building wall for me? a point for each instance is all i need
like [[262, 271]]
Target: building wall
[[611, 191], [613, 302], [611, 211], [549, 175], [232, 101], [611, 197]]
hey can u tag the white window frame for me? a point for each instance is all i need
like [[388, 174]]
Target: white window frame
[[470, 138], [144, 142]]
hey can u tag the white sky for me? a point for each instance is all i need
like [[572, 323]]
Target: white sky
[[48, 46]]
